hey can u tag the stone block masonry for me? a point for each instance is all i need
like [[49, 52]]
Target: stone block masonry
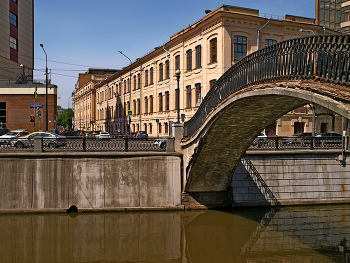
[[89, 181], [297, 178]]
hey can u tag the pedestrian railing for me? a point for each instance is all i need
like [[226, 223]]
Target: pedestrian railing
[[292, 143], [83, 144]]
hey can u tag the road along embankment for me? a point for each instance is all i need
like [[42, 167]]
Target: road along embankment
[[55, 182]]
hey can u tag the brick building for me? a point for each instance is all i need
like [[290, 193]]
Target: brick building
[[15, 106]]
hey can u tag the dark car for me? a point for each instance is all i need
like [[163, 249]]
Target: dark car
[[142, 135]]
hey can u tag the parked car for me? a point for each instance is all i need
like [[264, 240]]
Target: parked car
[[4, 131], [260, 139], [6, 138], [102, 135], [141, 135], [160, 142], [51, 140], [298, 138]]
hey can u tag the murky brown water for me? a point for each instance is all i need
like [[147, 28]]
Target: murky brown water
[[296, 234]]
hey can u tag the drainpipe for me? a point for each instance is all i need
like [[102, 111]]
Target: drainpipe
[[259, 32]]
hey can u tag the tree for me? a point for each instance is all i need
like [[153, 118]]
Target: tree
[[65, 119]]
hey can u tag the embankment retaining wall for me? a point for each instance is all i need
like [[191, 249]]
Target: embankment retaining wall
[[89, 181]]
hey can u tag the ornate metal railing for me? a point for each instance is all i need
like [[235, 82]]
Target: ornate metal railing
[[83, 144], [292, 143], [319, 57]]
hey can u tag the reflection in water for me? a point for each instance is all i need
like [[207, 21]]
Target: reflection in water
[[295, 234]]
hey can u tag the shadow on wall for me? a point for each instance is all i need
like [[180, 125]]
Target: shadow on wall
[[249, 188]]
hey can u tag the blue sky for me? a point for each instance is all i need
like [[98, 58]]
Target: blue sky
[[82, 34]]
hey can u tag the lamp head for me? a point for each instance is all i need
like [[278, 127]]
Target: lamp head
[[177, 72], [42, 45]]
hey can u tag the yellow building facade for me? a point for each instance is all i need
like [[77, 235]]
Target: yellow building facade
[[201, 52]]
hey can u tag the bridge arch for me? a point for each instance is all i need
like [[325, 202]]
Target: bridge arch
[[254, 93]]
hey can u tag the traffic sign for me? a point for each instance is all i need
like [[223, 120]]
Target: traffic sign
[[157, 120], [129, 112], [182, 116], [120, 120], [37, 105]]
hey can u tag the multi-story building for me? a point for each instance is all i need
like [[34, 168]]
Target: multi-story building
[[333, 14], [17, 102], [84, 102], [202, 52], [17, 39]]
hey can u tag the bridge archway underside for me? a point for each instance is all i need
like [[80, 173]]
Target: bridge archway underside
[[232, 125]]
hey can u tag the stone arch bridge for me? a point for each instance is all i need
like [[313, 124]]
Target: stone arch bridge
[[254, 93]]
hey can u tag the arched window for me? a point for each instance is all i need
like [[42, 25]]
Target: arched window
[[177, 62], [189, 59], [213, 50], [198, 94], [161, 72], [151, 76], [240, 47]]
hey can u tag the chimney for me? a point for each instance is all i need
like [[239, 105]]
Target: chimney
[[207, 11]]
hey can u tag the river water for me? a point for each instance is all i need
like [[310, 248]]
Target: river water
[[289, 234]]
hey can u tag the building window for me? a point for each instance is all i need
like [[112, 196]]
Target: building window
[[269, 42], [298, 127], [166, 129], [177, 62], [13, 43], [150, 128], [167, 70], [146, 78], [188, 97], [240, 47], [167, 100], [145, 127], [129, 85], [176, 97], [213, 50], [159, 128], [151, 104], [139, 80], [211, 83], [124, 86], [198, 94], [146, 105], [138, 106], [160, 102], [13, 19], [134, 82], [151, 76], [161, 72], [198, 56], [3, 114], [323, 127], [189, 59], [134, 106], [15, 1]]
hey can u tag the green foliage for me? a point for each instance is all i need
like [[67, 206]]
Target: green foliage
[[65, 119]]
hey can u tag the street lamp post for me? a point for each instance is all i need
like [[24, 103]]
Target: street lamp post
[[46, 112], [177, 73], [129, 87]]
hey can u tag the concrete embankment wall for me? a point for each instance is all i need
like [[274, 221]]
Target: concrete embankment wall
[[282, 178], [89, 181]]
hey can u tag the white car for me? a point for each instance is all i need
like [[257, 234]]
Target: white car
[[6, 138], [102, 135], [160, 142]]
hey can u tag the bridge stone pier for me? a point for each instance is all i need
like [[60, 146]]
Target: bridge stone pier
[[254, 93]]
